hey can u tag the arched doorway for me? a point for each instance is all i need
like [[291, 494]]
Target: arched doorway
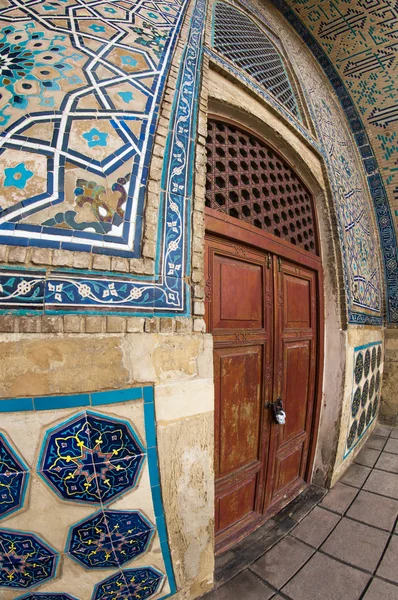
[[264, 310]]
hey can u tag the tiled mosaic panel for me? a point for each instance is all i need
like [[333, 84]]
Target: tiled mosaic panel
[[355, 45], [351, 195], [80, 89], [239, 39], [167, 294], [91, 459], [13, 479], [70, 546], [365, 400]]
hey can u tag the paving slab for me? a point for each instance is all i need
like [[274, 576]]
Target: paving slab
[[367, 457], [245, 585], [394, 433], [382, 483], [375, 510], [357, 544], [383, 430], [315, 528], [339, 498], [280, 563], [376, 441], [388, 462], [381, 590], [389, 565], [391, 446], [355, 475], [324, 578]]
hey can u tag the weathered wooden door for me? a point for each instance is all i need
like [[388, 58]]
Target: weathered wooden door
[[239, 316], [262, 312]]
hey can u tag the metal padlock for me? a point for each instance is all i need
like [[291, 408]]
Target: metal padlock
[[278, 412]]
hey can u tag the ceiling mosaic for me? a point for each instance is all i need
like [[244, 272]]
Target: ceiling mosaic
[[80, 90]]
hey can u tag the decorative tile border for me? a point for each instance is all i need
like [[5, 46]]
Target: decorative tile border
[[387, 235], [97, 399], [365, 397], [59, 291]]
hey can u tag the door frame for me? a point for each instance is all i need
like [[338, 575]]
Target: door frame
[[232, 229]]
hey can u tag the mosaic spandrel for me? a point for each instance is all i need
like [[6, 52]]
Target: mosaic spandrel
[[81, 85], [91, 458]]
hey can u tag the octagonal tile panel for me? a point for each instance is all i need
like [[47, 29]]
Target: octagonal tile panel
[[109, 538], [13, 479], [46, 596], [134, 584], [25, 560], [91, 458]]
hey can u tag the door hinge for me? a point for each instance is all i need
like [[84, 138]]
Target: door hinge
[[279, 264], [268, 261]]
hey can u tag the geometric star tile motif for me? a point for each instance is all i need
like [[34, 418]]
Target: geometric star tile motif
[[365, 399], [109, 538], [91, 458], [80, 93], [129, 584], [25, 560], [13, 479]]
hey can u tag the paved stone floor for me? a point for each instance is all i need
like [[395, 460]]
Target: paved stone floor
[[346, 548]]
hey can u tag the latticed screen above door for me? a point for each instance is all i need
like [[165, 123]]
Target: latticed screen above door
[[248, 180], [240, 40]]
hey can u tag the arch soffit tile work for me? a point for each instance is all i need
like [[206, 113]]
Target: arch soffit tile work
[[387, 232], [359, 312]]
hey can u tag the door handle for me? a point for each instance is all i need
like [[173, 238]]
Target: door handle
[[277, 411]]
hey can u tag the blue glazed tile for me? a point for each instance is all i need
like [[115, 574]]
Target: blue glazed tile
[[114, 396], [53, 402], [16, 405]]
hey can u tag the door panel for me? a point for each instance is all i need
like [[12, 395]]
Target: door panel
[[240, 404], [294, 375], [238, 314], [238, 294]]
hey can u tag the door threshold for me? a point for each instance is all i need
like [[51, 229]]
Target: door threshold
[[243, 554]]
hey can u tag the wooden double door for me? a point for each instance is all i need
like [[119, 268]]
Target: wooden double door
[[261, 308]]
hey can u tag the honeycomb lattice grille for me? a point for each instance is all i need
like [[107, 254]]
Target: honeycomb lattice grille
[[240, 40], [248, 180]]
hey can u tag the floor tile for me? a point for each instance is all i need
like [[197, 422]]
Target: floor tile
[[245, 585], [339, 498], [357, 544], [373, 509], [355, 475], [383, 483], [367, 457], [376, 441], [280, 563], [391, 446], [316, 526], [387, 462], [389, 565], [383, 430], [394, 433], [324, 578], [381, 590]]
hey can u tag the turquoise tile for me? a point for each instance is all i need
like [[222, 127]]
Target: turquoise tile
[[114, 396], [51, 402], [16, 404]]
